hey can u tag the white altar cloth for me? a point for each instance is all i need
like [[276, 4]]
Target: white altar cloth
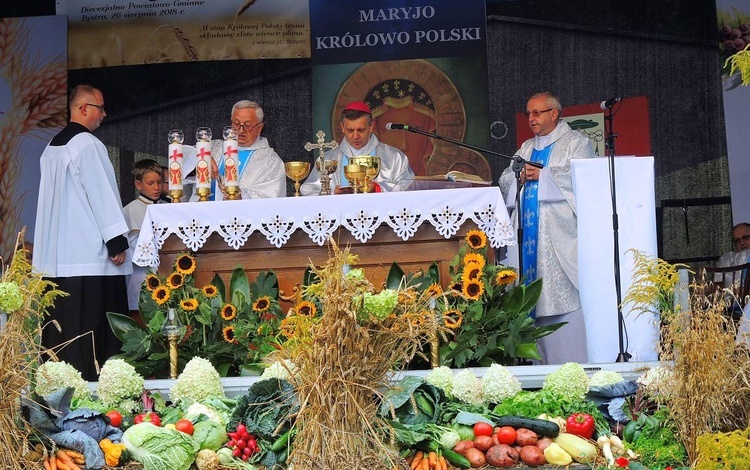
[[637, 230], [361, 214]]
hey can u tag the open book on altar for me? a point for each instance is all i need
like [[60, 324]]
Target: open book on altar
[[456, 176]]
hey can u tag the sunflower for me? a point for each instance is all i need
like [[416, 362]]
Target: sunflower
[[161, 295], [228, 312], [407, 296], [185, 264], [228, 332], [306, 309], [288, 327], [473, 289], [189, 305], [175, 280], [210, 291], [476, 239], [505, 276], [152, 282], [471, 272], [435, 290], [475, 258], [453, 319], [456, 288], [262, 304]]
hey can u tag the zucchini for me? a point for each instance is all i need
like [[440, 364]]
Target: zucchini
[[539, 426], [579, 448], [456, 459]]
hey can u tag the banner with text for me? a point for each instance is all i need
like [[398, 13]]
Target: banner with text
[[122, 32], [424, 65]]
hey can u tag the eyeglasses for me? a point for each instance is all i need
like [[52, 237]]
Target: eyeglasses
[[537, 113], [741, 239], [246, 127], [100, 107]]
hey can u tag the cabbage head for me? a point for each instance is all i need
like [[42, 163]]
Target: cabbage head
[[209, 434], [159, 448]]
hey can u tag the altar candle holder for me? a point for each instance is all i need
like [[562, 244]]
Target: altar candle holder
[[174, 165], [203, 167], [231, 152], [172, 329]]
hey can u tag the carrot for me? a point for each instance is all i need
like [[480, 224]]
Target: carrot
[[76, 457], [46, 464], [443, 462], [65, 459], [418, 457], [426, 464], [52, 462], [432, 458]]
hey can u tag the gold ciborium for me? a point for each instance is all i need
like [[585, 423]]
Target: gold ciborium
[[372, 169], [355, 174], [326, 168], [297, 171]]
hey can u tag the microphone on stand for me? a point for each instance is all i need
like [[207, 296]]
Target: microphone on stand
[[609, 103], [392, 127]]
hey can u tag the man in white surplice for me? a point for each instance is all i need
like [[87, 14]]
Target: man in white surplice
[[357, 126], [260, 169], [550, 245]]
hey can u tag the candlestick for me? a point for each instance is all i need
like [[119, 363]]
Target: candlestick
[[174, 165], [231, 151], [203, 167]]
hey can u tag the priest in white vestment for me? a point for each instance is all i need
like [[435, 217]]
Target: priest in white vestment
[[79, 237], [260, 169], [550, 244], [359, 140]]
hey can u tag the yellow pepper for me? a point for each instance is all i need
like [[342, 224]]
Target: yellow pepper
[[555, 455]]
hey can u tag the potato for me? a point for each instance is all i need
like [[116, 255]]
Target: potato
[[532, 456], [543, 443], [483, 443], [463, 446], [502, 455], [526, 437], [476, 457]]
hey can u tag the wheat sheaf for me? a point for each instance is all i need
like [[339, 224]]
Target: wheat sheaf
[[37, 104]]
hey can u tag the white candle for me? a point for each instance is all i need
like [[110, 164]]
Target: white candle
[[203, 168], [230, 163], [175, 167]]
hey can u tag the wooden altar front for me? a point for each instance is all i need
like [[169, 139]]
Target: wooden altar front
[[413, 229]]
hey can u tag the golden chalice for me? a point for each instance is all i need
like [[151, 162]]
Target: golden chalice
[[326, 168], [372, 169], [355, 174], [297, 171]]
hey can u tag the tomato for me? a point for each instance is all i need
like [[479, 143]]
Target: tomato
[[184, 425], [115, 418], [482, 429], [506, 435]]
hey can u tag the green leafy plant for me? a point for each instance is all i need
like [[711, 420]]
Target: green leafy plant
[[233, 327]]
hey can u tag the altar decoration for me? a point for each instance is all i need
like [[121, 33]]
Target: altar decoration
[[231, 150], [344, 341], [175, 159], [25, 298], [203, 167], [234, 326]]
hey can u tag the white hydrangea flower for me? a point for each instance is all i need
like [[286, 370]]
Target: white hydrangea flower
[[197, 382], [51, 376], [118, 382], [656, 381], [11, 297], [605, 377], [279, 370], [498, 384], [570, 380], [468, 388], [441, 377]]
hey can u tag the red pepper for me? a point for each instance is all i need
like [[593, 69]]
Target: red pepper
[[580, 424], [148, 417]]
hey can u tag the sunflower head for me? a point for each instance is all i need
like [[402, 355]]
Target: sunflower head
[[262, 304], [210, 291], [175, 280], [152, 282], [161, 295], [228, 312], [505, 277], [407, 296], [471, 272], [473, 289], [228, 332], [476, 239], [189, 305], [185, 264], [435, 290], [453, 319], [475, 258], [305, 309]]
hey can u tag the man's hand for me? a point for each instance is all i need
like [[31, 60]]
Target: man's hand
[[530, 173], [118, 259]]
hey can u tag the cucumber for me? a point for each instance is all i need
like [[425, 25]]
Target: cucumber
[[281, 442], [539, 426], [456, 459], [428, 445]]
